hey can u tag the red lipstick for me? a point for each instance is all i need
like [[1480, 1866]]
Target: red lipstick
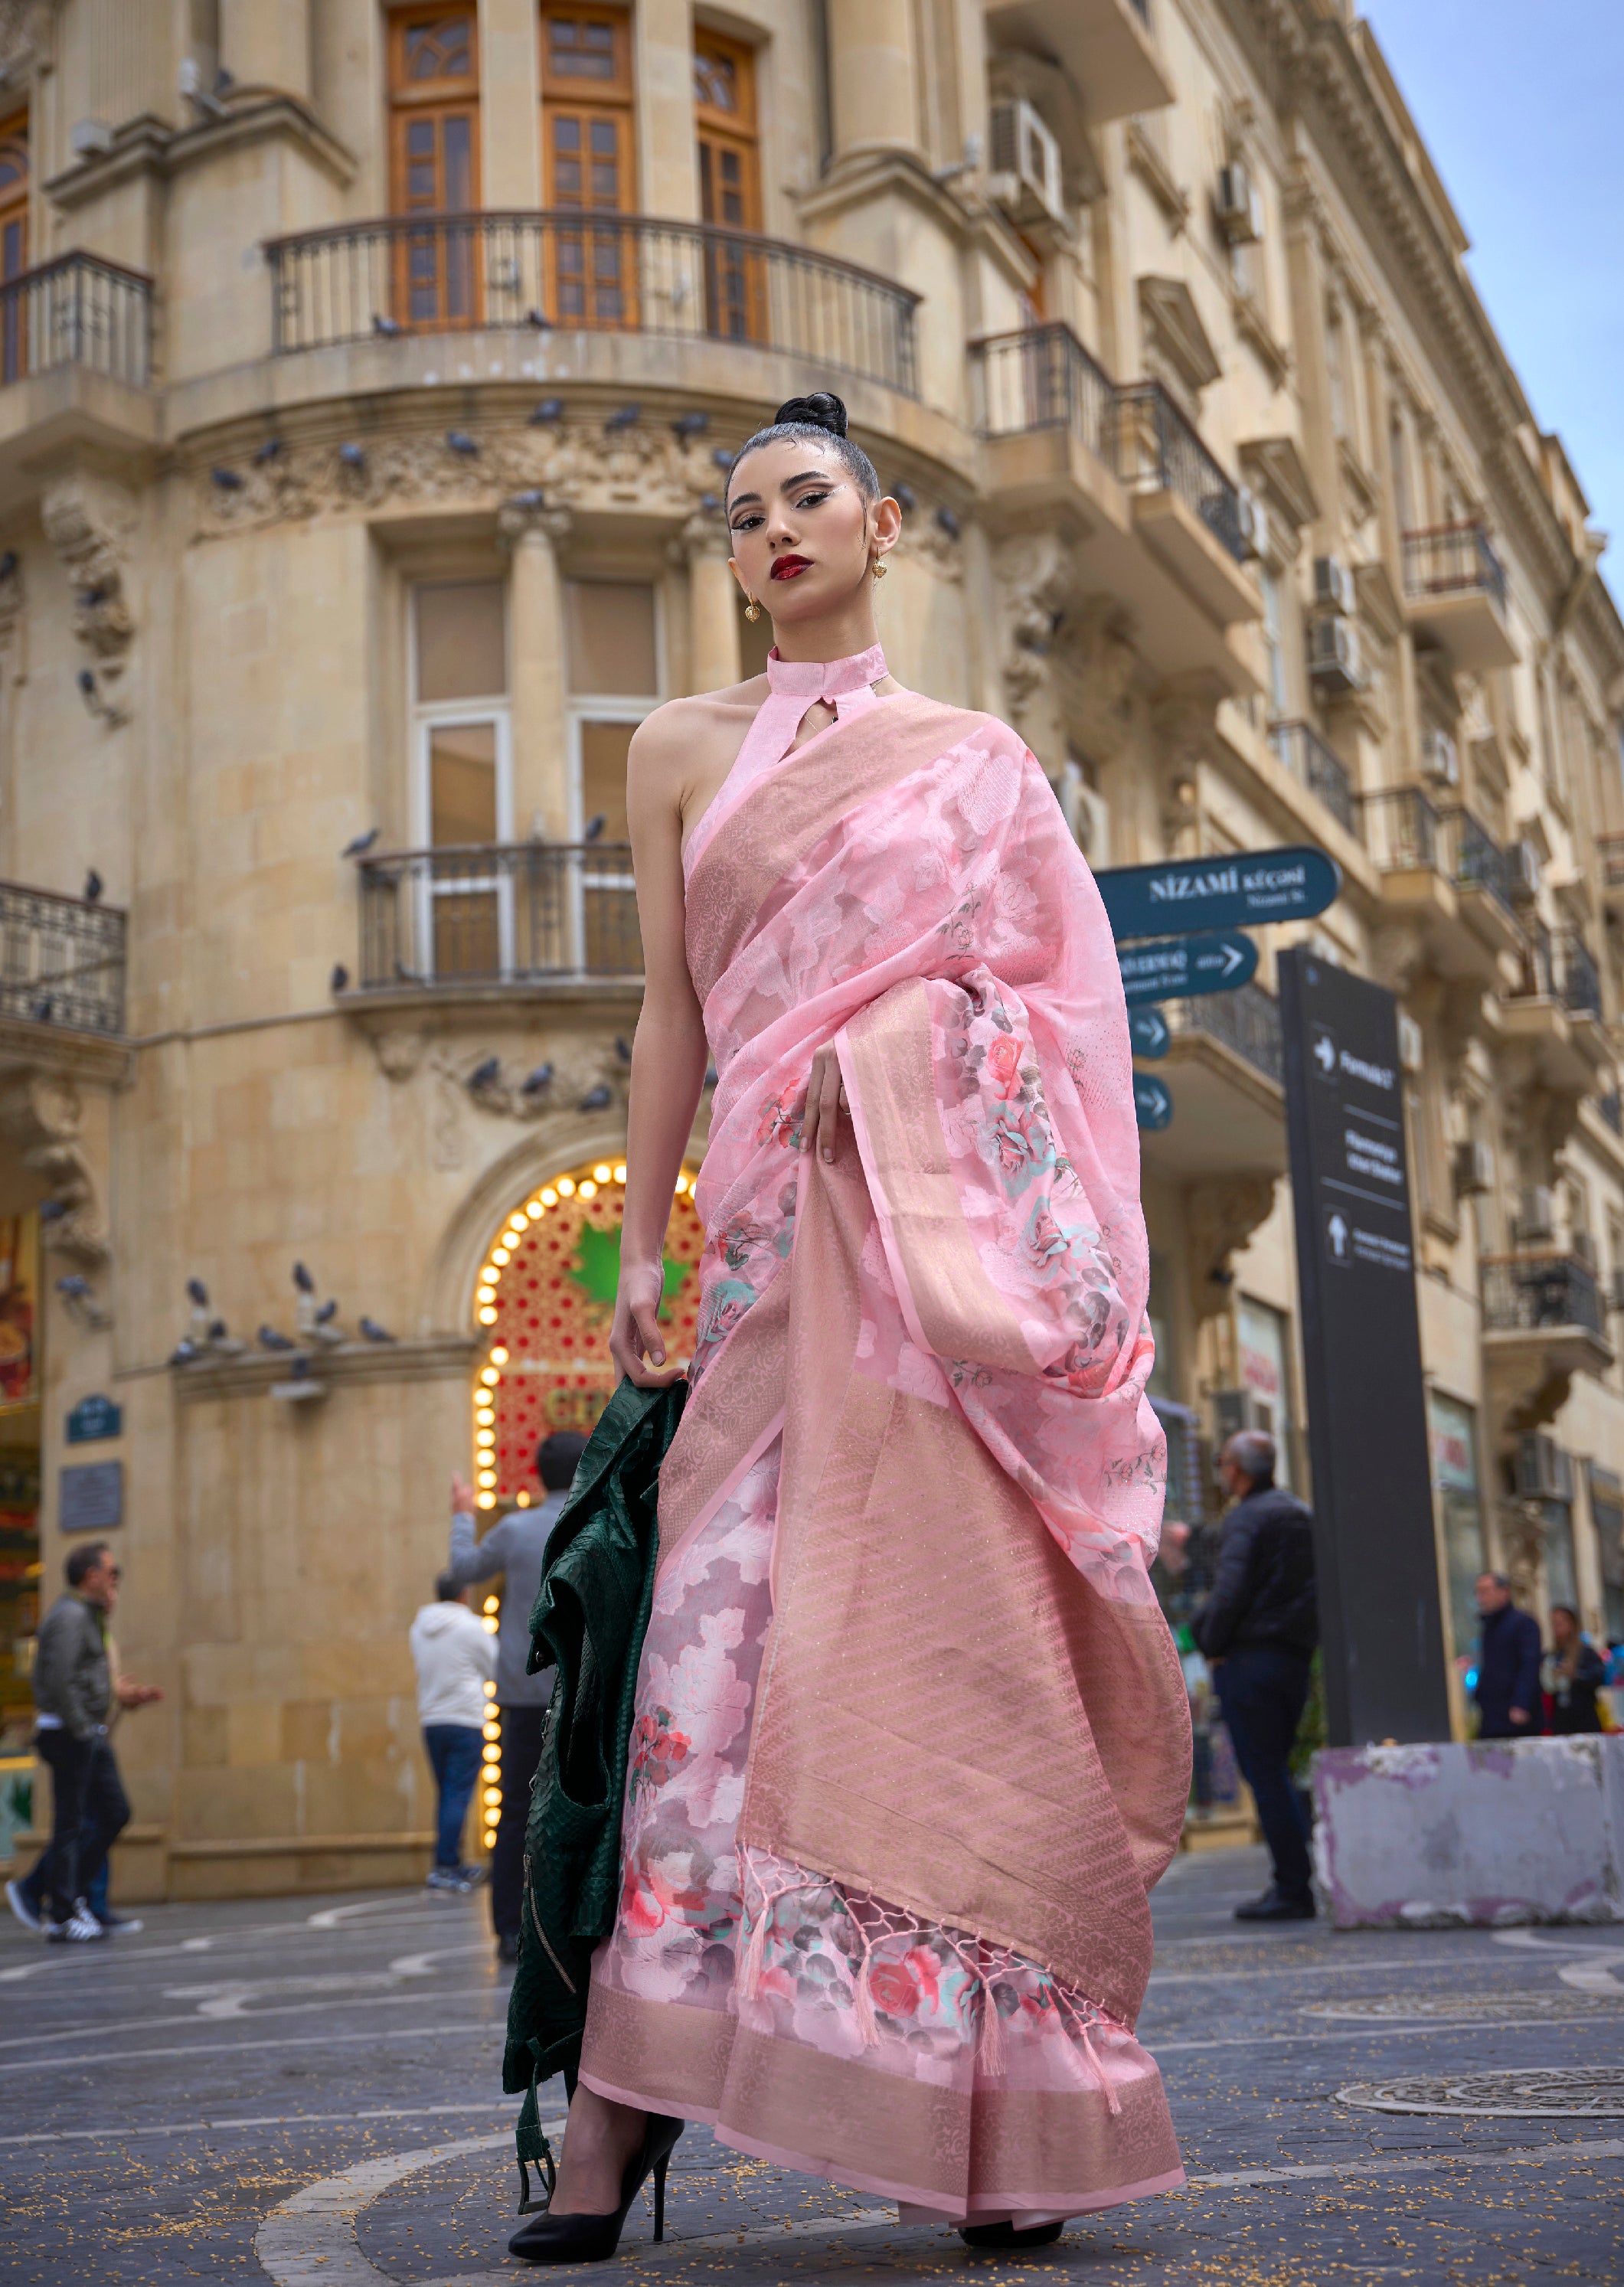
[[787, 567]]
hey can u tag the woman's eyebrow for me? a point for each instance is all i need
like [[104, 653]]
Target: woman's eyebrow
[[738, 500]]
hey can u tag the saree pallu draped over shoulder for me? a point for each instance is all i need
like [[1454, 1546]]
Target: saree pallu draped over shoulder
[[913, 1740]]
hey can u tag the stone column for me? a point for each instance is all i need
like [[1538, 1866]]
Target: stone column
[[537, 674], [714, 605], [266, 43], [873, 75]]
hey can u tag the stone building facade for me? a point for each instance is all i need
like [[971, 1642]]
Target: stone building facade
[[368, 372]]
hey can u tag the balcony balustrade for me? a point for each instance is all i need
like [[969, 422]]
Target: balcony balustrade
[[529, 912], [1455, 594], [1474, 860], [1300, 749], [1401, 829], [1559, 966], [62, 961], [1610, 851], [1247, 1020], [1527, 1292], [77, 311], [1042, 378], [595, 272], [1158, 451]]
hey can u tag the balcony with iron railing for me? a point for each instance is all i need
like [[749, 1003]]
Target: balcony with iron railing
[[1445, 870], [1224, 1067], [1558, 965], [1610, 854], [482, 917], [1454, 595], [61, 973], [77, 311], [1301, 751], [588, 273], [1528, 1292], [1246, 1021]]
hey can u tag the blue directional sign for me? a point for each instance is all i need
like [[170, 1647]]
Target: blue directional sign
[[1205, 893], [1148, 1030], [1177, 968], [1153, 1101]]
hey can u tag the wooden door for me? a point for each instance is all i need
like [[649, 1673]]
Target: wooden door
[[730, 185], [13, 244], [587, 121], [435, 154]]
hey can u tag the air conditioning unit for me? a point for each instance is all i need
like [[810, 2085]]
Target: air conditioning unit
[[1238, 205], [1474, 1168], [1023, 160], [1525, 864], [1333, 584], [1334, 660], [1440, 758], [1254, 523], [1544, 1471], [90, 138], [1536, 1219], [1412, 1043]]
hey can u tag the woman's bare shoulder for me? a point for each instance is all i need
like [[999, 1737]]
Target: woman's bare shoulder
[[710, 718]]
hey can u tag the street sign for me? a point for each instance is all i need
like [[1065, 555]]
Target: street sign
[[93, 1496], [1206, 893], [94, 1417], [1173, 967], [1153, 1101], [1375, 1563], [1147, 1029]]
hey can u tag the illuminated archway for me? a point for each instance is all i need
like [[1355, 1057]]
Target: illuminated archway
[[542, 1305]]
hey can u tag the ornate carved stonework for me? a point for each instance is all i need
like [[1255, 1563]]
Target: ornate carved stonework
[[573, 464], [1220, 1217], [89, 519], [24, 36], [44, 1117], [923, 540], [1036, 573]]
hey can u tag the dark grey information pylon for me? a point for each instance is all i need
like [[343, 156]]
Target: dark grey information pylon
[[1375, 1558]]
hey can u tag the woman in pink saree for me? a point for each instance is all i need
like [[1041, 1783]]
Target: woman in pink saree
[[912, 1741]]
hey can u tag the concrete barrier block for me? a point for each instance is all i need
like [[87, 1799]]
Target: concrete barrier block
[[1492, 1833]]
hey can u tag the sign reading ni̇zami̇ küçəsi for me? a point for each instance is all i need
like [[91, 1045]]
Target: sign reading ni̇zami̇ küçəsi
[[1380, 1625], [1212, 893]]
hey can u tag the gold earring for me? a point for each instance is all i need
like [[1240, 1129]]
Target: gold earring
[[752, 610], [879, 567]]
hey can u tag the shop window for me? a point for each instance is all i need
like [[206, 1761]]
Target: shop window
[[542, 1306], [1607, 1516], [434, 162], [730, 185], [463, 925], [1452, 1429], [13, 244], [587, 122], [1264, 1344], [1561, 1577]]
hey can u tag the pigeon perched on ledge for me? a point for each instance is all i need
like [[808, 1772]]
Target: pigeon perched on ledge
[[372, 1332], [269, 1339]]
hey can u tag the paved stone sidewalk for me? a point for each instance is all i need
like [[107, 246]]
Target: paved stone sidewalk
[[306, 2092]]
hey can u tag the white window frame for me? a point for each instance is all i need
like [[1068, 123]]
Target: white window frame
[[580, 709], [427, 717]]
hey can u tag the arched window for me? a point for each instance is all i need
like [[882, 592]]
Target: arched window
[[434, 158], [587, 162], [730, 183]]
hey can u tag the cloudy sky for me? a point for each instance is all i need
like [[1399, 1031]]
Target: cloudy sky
[[1521, 107]]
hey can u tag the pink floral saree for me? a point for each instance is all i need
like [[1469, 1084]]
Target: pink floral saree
[[913, 1742]]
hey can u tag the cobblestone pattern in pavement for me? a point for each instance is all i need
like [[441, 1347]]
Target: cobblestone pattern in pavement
[[307, 2092]]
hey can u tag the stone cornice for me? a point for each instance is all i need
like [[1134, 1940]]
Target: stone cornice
[[431, 1357], [149, 147]]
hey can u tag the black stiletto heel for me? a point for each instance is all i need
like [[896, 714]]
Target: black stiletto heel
[[1007, 2235], [548, 2239]]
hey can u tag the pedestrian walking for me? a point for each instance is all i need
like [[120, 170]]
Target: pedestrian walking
[[1572, 1673], [1258, 1629], [514, 1546], [455, 1657], [1510, 1705], [73, 1697]]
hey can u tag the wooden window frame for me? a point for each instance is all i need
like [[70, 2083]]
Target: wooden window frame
[[585, 99], [410, 100], [735, 278]]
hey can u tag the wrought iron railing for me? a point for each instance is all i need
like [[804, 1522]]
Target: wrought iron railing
[[1401, 830], [1558, 965], [61, 961], [1043, 377], [498, 913], [1453, 560], [1247, 1020], [1158, 451], [1529, 1292], [1611, 1107], [598, 271], [1472, 858], [1609, 849], [1301, 751], [77, 310]]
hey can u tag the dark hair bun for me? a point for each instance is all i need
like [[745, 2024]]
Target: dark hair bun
[[822, 411]]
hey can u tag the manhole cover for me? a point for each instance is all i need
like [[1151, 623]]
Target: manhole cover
[[1465, 2008], [1583, 2092]]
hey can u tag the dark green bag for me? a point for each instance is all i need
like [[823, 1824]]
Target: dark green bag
[[590, 1615]]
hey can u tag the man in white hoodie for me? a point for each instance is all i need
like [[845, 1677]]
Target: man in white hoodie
[[456, 1655]]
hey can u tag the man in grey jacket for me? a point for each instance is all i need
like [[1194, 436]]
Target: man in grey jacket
[[73, 1692], [514, 1548]]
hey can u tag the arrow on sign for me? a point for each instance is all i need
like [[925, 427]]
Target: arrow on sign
[[1147, 1029], [1176, 968], [1204, 893], [1153, 1101]]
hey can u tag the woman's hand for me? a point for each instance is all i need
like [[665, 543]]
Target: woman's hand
[[825, 1100], [637, 1329]]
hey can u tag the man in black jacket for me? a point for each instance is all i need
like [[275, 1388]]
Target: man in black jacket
[[1258, 1628], [1511, 1704]]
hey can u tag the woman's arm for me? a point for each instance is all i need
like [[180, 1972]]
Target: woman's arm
[[668, 1050]]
